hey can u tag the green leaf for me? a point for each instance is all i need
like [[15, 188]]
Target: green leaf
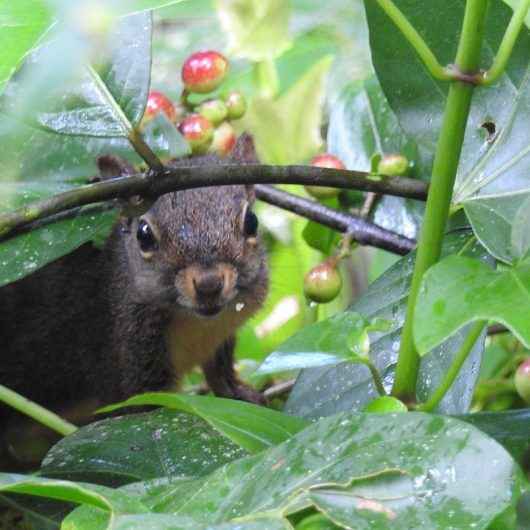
[[363, 126], [319, 345], [494, 187], [327, 390], [415, 465], [257, 29], [252, 427], [459, 290], [136, 447], [287, 130], [23, 23], [25, 253], [510, 428], [108, 100], [99, 497]]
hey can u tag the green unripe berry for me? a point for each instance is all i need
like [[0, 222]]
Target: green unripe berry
[[236, 105], [522, 380], [214, 110], [324, 160], [385, 405], [394, 164], [323, 283]]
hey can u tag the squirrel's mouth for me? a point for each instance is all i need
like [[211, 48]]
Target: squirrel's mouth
[[208, 311]]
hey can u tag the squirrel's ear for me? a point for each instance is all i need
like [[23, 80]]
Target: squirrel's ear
[[244, 151], [111, 166]]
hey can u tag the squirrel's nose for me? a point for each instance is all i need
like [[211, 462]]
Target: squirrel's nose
[[208, 284]]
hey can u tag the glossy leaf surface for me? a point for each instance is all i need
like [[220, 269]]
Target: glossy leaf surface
[[460, 290], [250, 426], [397, 470], [136, 447]]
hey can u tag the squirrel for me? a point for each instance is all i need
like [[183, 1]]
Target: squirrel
[[166, 292]]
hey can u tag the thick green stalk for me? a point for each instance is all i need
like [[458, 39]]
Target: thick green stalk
[[38, 413], [443, 176], [455, 367]]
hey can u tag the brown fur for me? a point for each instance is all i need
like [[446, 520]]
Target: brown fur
[[111, 323]]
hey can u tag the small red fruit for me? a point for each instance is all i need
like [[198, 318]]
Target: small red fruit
[[522, 380], [158, 102], [236, 105], [325, 160], [394, 164], [203, 72], [224, 139], [323, 283], [198, 131], [213, 110]]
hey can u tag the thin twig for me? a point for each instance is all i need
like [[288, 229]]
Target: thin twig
[[156, 183], [279, 389], [362, 231]]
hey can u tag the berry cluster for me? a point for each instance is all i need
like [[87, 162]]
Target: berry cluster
[[206, 126]]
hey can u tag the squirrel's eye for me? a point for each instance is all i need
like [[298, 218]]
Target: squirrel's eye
[[146, 238], [250, 224]]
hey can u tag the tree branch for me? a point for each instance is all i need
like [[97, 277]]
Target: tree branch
[[362, 231], [155, 183]]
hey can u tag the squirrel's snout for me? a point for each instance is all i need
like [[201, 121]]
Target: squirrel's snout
[[209, 284], [207, 290]]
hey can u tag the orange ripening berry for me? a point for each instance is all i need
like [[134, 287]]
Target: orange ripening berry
[[325, 160], [198, 131]]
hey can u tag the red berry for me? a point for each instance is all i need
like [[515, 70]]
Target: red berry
[[522, 380], [323, 283], [236, 105], [395, 164], [224, 139], [325, 160], [213, 110], [198, 131], [204, 71], [158, 102]]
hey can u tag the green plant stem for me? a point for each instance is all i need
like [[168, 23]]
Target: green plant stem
[[455, 367], [141, 147], [445, 166], [415, 40], [508, 41], [35, 411], [376, 376]]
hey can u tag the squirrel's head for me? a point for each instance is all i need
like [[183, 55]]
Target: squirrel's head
[[199, 249]]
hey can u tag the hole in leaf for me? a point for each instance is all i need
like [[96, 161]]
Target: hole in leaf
[[491, 130]]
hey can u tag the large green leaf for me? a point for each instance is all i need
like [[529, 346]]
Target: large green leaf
[[136, 447], [252, 427], [390, 471], [459, 290], [22, 24], [327, 390]]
